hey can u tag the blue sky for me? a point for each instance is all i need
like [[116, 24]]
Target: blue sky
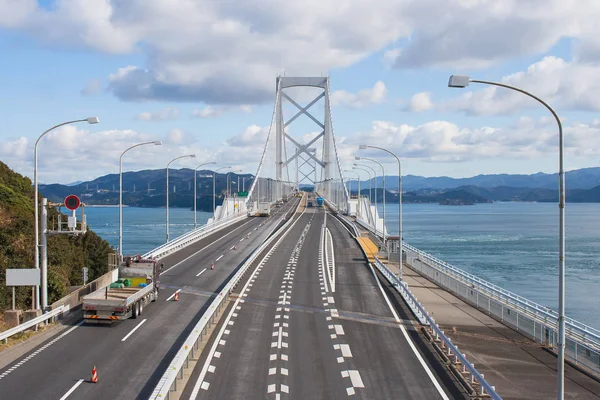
[[121, 61]]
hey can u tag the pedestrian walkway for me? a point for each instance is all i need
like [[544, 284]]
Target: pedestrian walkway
[[517, 366]]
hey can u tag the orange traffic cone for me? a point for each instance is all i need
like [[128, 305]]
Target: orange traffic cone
[[94, 378], [234, 247], [176, 298], [212, 266]]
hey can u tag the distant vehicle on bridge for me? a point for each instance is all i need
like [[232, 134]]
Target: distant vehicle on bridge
[[126, 298], [320, 201]]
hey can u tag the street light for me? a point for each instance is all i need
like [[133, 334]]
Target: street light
[[36, 261], [364, 147], [196, 170], [227, 181], [383, 185], [462, 81], [214, 194], [370, 183], [156, 143], [176, 158], [358, 176]]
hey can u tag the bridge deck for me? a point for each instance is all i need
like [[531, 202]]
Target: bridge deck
[[517, 366]]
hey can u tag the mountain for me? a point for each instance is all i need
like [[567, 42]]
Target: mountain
[[585, 178], [66, 254], [147, 188]]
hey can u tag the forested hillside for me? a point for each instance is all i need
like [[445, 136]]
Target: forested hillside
[[66, 254]]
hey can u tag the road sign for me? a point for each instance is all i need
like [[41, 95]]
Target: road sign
[[85, 274], [22, 277], [72, 202], [242, 194]]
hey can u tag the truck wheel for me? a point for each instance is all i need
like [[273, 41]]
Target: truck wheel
[[136, 310], [141, 307]]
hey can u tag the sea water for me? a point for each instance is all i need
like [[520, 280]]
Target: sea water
[[515, 246]]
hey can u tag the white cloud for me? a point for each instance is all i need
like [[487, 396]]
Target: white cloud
[[160, 115], [420, 102], [92, 88], [568, 85], [213, 112], [442, 141], [362, 98]]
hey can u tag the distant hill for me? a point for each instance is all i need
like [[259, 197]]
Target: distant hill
[[585, 178], [147, 188]]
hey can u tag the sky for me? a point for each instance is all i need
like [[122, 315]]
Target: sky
[[201, 77]]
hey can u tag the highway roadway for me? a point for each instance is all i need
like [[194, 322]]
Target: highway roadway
[[302, 330], [131, 356]]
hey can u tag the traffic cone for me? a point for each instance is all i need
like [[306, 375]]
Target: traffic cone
[[234, 247], [212, 266], [176, 298], [94, 378]]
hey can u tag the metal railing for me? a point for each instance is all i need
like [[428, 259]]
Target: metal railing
[[31, 323], [582, 346], [192, 236], [176, 368], [446, 342]]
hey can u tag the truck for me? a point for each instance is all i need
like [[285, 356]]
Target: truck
[[320, 201], [137, 286], [264, 209]]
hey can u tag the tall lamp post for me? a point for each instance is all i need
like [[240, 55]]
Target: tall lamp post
[[214, 193], [358, 177], [156, 143], [383, 184], [195, 171], [371, 184], [176, 158], [36, 261], [227, 181], [462, 81], [365, 146]]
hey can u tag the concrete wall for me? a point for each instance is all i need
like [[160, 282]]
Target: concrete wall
[[73, 300]]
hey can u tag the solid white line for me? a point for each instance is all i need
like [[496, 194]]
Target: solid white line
[[221, 256], [411, 344], [206, 247], [134, 329], [173, 295], [75, 386], [355, 378], [200, 273]]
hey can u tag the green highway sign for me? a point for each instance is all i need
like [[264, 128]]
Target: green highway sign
[[242, 194]]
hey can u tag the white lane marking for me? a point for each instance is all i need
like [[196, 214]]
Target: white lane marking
[[200, 382], [339, 329], [242, 239], [44, 347], [205, 385], [173, 295], [201, 272], [411, 344], [75, 386], [204, 248], [134, 329], [271, 388], [221, 256], [355, 378], [330, 299], [350, 391], [211, 368], [345, 350]]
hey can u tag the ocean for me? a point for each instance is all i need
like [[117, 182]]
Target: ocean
[[513, 245]]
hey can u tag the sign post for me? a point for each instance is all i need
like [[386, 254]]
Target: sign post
[[85, 275]]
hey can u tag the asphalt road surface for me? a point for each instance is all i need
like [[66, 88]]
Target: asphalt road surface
[[304, 328], [131, 356]]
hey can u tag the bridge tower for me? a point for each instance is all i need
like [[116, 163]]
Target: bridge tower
[[331, 181]]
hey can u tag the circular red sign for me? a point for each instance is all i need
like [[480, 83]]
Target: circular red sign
[[72, 202]]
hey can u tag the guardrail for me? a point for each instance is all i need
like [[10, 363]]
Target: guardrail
[[582, 346], [366, 225], [193, 236], [33, 322], [181, 359], [446, 342]]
